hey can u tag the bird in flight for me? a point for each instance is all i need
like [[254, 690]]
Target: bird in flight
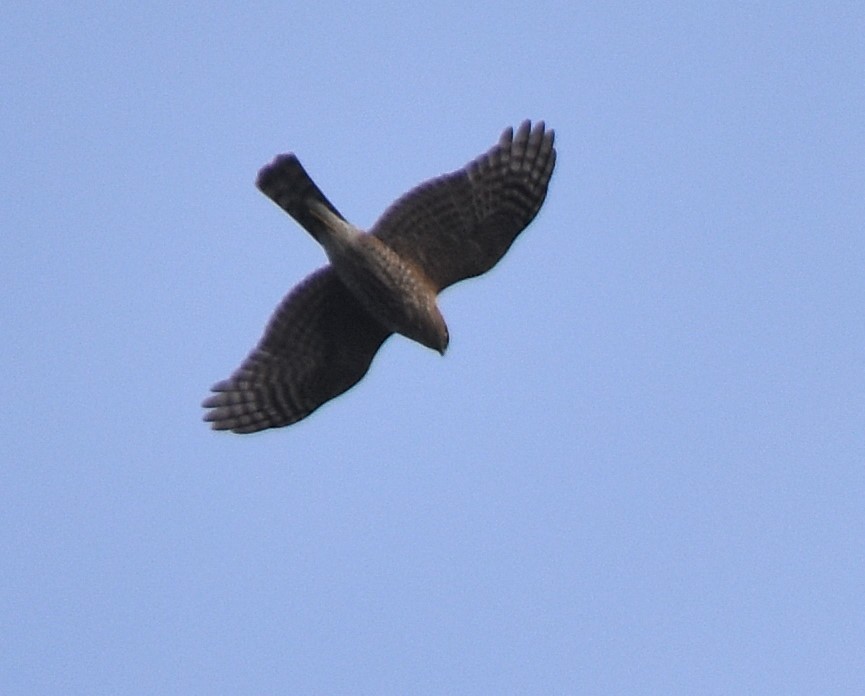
[[323, 336]]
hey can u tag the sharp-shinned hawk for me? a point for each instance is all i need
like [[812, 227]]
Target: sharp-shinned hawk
[[322, 338]]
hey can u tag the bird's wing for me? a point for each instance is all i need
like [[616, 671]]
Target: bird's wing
[[459, 225], [318, 343]]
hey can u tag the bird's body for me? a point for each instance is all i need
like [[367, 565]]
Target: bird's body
[[322, 338], [392, 290]]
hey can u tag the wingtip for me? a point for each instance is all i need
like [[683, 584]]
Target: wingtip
[[523, 130], [527, 129]]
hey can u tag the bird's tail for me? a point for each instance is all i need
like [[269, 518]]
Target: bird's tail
[[287, 184]]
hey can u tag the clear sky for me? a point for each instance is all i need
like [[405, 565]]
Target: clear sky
[[640, 467]]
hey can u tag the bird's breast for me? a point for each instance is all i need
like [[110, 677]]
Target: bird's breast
[[396, 293]]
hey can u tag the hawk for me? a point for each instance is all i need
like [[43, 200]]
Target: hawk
[[323, 336]]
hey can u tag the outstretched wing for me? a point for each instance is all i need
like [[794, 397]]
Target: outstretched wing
[[318, 343], [459, 225]]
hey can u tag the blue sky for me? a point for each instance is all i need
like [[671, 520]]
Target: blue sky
[[639, 467]]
